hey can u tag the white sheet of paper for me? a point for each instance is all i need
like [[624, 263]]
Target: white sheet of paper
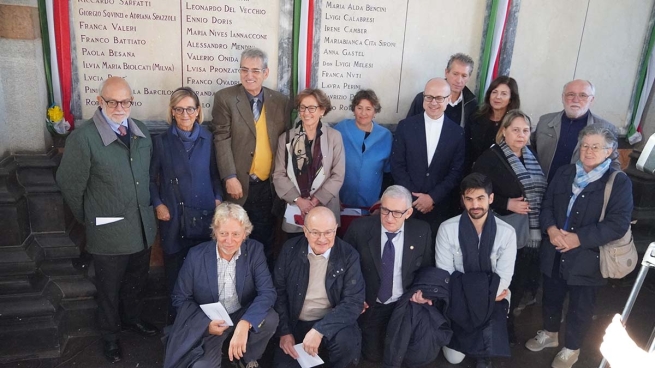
[[217, 311], [291, 211], [351, 211], [305, 360], [107, 220]]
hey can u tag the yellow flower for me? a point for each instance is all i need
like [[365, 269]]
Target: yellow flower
[[55, 114]]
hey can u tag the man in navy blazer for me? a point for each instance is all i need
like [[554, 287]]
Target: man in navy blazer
[[231, 270], [428, 156], [411, 245], [320, 294]]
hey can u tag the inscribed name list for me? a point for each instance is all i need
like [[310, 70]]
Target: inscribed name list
[[361, 47], [161, 45]]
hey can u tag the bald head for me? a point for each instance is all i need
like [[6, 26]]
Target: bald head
[[436, 97], [115, 91], [320, 229]]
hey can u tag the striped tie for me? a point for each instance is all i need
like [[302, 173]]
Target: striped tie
[[255, 108]]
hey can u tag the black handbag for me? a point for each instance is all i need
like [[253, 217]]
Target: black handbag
[[195, 223]]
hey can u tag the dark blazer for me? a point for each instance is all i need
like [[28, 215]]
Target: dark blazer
[[234, 131], [418, 251], [343, 282], [505, 183], [198, 180], [581, 266], [409, 162], [198, 284]]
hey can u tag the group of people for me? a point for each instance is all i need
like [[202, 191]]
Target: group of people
[[431, 262]]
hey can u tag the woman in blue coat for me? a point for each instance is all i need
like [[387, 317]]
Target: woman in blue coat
[[570, 258], [183, 165], [368, 146]]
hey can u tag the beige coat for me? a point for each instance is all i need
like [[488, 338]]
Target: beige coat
[[328, 182]]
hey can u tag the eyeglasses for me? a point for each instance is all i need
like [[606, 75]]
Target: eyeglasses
[[396, 214], [439, 99], [581, 96], [255, 71], [225, 234], [311, 109], [181, 110], [113, 103], [329, 234], [595, 148]]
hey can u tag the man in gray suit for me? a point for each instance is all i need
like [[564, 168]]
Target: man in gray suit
[[556, 136], [247, 120]]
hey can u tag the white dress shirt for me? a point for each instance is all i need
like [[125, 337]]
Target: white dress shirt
[[459, 99], [398, 245], [432, 134]]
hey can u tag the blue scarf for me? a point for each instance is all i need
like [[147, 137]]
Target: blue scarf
[[476, 251], [583, 178], [188, 138]]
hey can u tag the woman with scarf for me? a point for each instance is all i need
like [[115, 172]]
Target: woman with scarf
[[570, 260], [183, 170], [310, 163], [519, 186]]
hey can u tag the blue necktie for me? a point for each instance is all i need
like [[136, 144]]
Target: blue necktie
[[255, 108], [386, 279]]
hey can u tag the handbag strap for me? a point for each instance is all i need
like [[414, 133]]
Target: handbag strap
[[503, 159], [608, 192]]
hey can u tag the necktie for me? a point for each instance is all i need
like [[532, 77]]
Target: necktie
[[386, 279], [122, 131], [255, 108]]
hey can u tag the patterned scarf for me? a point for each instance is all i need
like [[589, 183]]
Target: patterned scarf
[[534, 184], [582, 179], [307, 158]]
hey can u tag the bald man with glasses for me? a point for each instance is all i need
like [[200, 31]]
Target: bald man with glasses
[[392, 248]]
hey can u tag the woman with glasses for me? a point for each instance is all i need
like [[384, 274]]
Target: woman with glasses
[[368, 146], [519, 186], [501, 97], [570, 260], [184, 184], [310, 162]]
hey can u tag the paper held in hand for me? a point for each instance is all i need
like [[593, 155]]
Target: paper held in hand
[[305, 360], [217, 311]]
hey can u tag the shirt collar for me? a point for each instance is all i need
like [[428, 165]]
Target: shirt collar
[[430, 120], [113, 125], [326, 255], [461, 97], [260, 96], [384, 231]]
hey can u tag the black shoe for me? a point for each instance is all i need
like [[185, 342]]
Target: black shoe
[[112, 351], [483, 363], [142, 327]]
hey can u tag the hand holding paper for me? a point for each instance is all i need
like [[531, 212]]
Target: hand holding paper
[[216, 311], [305, 360]]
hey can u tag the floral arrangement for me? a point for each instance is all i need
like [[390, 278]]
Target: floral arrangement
[[55, 121]]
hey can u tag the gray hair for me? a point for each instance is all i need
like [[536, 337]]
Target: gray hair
[[509, 118], [398, 191], [591, 86], [461, 58], [226, 211], [607, 131], [255, 53]]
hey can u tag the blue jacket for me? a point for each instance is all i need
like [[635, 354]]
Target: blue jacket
[[198, 284], [364, 170], [344, 284], [409, 161], [198, 179], [581, 266]]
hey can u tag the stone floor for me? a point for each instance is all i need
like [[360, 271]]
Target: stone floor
[[144, 352]]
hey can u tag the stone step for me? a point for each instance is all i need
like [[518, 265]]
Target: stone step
[[29, 338], [19, 284], [16, 308], [14, 260]]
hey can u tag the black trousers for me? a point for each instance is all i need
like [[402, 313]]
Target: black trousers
[[373, 324], [342, 349], [120, 281], [434, 218], [526, 273], [582, 300], [258, 205]]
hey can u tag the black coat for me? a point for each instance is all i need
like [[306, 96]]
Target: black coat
[[416, 332], [581, 266], [418, 251], [343, 282], [505, 183]]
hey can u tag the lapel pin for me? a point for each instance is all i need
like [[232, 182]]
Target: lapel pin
[[411, 247]]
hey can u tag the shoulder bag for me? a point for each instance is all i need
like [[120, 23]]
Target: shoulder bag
[[619, 257]]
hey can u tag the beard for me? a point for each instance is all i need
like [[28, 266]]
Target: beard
[[481, 212]]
